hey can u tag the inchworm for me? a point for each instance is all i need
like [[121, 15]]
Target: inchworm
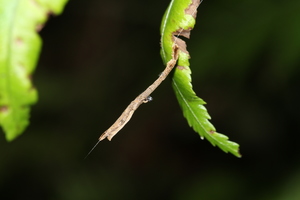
[[144, 97]]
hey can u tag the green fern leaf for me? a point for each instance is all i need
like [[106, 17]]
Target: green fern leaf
[[179, 20], [19, 51]]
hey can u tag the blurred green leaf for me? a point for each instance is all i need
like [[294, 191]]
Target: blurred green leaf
[[19, 51], [179, 20]]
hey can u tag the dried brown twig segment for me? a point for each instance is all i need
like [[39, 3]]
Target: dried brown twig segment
[[142, 98]]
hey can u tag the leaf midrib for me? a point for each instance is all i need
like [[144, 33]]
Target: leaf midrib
[[8, 61], [164, 28], [194, 115]]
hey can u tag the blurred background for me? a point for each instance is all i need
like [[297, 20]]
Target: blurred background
[[99, 55]]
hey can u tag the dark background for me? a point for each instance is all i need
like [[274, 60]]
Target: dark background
[[99, 55]]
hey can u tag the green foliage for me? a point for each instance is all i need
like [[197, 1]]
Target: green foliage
[[20, 47], [19, 51], [179, 20]]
